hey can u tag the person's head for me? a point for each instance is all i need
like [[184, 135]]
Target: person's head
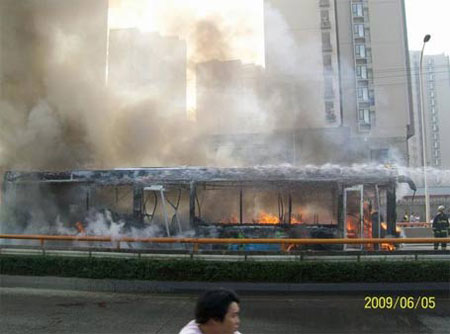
[[441, 208], [218, 309]]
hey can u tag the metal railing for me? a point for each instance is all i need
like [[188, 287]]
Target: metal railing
[[286, 244]]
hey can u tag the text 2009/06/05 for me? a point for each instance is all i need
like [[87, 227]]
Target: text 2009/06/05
[[399, 302]]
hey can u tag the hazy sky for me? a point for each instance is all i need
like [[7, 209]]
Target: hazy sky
[[423, 17], [429, 17], [243, 20]]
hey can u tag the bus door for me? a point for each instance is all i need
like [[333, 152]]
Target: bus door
[[353, 215]]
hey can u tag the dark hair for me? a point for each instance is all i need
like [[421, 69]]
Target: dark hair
[[214, 304]]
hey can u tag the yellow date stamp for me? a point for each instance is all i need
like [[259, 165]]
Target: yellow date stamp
[[399, 303]]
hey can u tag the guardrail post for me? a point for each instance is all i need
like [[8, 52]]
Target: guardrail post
[[41, 241], [195, 248]]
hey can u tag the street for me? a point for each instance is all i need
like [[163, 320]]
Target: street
[[56, 311]]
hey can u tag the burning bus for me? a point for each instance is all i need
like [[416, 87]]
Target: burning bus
[[258, 202]]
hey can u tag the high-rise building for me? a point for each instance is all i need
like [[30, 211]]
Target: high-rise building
[[351, 59], [301, 57], [149, 63], [436, 94]]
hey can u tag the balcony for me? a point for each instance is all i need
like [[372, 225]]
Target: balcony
[[324, 3]]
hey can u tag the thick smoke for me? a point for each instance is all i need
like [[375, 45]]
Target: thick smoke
[[57, 112], [73, 120]]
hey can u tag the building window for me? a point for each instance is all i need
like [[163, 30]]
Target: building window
[[357, 9], [361, 71], [364, 116], [325, 19], [360, 50], [358, 30], [363, 94]]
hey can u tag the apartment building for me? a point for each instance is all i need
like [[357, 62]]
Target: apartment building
[[436, 103], [354, 55], [301, 52]]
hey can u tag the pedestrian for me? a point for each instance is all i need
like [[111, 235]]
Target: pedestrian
[[216, 312], [440, 227]]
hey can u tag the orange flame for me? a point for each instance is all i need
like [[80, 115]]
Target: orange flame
[[352, 227], [295, 220], [398, 229], [266, 218], [388, 247]]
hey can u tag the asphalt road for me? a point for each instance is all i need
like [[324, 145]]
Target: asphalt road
[[57, 311]]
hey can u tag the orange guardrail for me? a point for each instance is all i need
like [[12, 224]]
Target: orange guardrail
[[42, 238], [413, 224]]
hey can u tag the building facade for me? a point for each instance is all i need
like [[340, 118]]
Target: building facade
[[362, 73], [436, 94], [301, 53]]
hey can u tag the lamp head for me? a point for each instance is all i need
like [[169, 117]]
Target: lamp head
[[426, 38]]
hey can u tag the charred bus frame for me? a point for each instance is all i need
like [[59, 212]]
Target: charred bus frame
[[339, 183]]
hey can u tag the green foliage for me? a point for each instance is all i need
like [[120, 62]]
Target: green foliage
[[239, 271]]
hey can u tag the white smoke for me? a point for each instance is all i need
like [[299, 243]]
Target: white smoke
[[104, 225]]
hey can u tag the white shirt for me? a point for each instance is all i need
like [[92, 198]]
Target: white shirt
[[192, 328]]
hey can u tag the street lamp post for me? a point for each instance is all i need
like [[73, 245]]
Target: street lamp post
[[424, 149]]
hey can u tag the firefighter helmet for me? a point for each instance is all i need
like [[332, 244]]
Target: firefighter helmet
[[441, 208]]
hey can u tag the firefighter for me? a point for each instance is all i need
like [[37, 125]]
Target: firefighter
[[440, 226], [406, 217]]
